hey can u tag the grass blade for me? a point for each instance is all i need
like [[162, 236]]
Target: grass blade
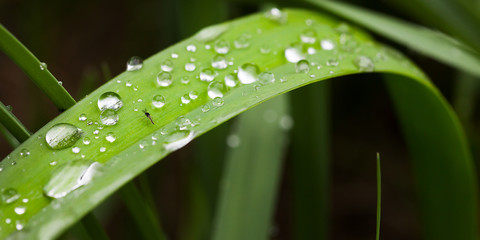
[[379, 197], [11, 140], [433, 44], [31, 66], [93, 227], [12, 124], [251, 175]]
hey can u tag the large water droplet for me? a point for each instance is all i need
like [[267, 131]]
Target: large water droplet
[[109, 100], [211, 33], [276, 15], [222, 46], [364, 64], [207, 74], [164, 79], [178, 139], [167, 65], [20, 210], [266, 77], [248, 73], [231, 80], [293, 53], [302, 66], [71, 176], [109, 117], [62, 135], [219, 62], [9, 195], [243, 41], [134, 63], [158, 101], [216, 89]]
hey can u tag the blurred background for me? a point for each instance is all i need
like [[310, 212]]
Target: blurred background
[[86, 44]]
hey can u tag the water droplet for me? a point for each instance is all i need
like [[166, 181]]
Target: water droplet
[[76, 150], [128, 83], [183, 123], [62, 135], [294, 53], [216, 89], [164, 79], [219, 62], [211, 33], [141, 146], [178, 139], [82, 117], [190, 67], [243, 41], [86, 140], [309, 36], [134, 63], [327, 44], [222, 46], [332, 62], [8, 221], [266, 77], [185, 80], [60, 83], [167, 65], [248, 73], [9, 195], [231, 80], [158, 101], [110, 137], [71, 176], [193, 95], [217, 102], [109, 100], [109, 117], [96, 132], [207, 74], [191, 48], [185, 99], [276, 15], [9, 108], [205, 108], [174, 55], [264, 49], [103, 149], [43, 66], [233, 140], [24, 153], [19, 224], [302, 66], [364, 64]]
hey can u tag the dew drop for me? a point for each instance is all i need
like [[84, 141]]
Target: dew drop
[[243, 41], [184, 80], [9, 195], [60, 83], [230, 80], [193, 95], [185, 99], [134, 63], [167, 65], [327, 44], [110, 137], [43, 66], [207, 74], [109, 117], [219, 62], [217, 102], [178, 139], [222, 46], [190, 67], [103, 149], [205, 108], [364, 64], [264, 49], [164, 79], [128, 83], [62, 135], [191, 48], [302, 66], [174, 55], [86, 140], [183, 123], [248, 73], [158, 101], [20, 210], [76, 150], [266, 77], [293, 53], [276, 15], [109, 100], [332, 62], [216, 89], [71, 176], [309, 36], [24, 153], [82, 117]]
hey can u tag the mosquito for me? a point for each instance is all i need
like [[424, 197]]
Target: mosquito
[[147, 114]]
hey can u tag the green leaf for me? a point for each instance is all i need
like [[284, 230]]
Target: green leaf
[[431, 43], [139, 144]]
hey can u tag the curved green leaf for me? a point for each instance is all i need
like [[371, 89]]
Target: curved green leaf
[[261, 41]]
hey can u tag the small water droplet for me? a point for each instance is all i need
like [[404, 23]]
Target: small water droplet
[[183, 123], [109, 117], [134, 63], [216, 89], [86, 140], [302, 66], [185, 80], [276, 15], [167, 65], [103, 149], [205, 108], [9, 195], [110, 137], [24, 153], [20, 210], [243, 41], [43, 66], [207, 74], [71, 176], [266, 77], [62, 135], [109, 100], [222, 46], [185, 99], [293, 53], [60, 83], [248, 73], [193, 95], [230, 80], [364, 64], [174, 55], [327, 44], [190, 67], [19, 224], [191, 48], [158, 101], [309, 36], [82, 117], [332, 62], [164, 79], [9, 108], [141, 146], [217, 102], [96, 132], [219, 62], [76, 150]]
